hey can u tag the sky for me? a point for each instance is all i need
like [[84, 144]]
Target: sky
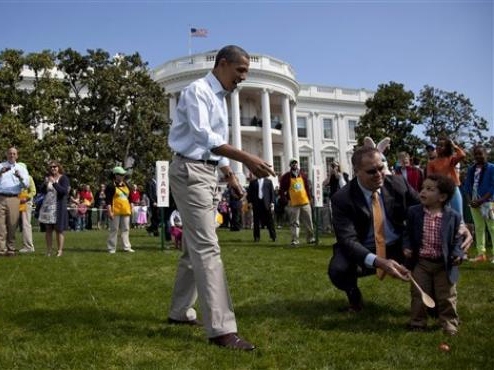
[[446, 44]]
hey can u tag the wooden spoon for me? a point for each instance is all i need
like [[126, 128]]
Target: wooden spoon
[[426, 299]]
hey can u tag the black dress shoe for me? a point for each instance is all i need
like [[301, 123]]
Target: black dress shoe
[[232, 341], [356, 303], [193, 322], [351, 309]]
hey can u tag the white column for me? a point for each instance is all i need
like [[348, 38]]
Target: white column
[[267, 139], [172, 105], [287, 130], [294, 134], [236, 134], [315, 137], [342, 135]]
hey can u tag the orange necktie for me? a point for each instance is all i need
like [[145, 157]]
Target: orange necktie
[[379, 237]]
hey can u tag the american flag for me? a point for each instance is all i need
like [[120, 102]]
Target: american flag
[[198, 32]]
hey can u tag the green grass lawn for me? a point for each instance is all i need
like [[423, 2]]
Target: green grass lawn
[[92, 310]]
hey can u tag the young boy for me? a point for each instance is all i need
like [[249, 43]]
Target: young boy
[[432, 246]]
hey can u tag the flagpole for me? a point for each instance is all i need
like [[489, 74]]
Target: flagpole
[[190, 42]]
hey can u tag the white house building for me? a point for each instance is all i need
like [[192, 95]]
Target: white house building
[[274, 116]]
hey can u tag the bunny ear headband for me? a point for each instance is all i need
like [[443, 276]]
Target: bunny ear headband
[[369, 142], [381, 146]]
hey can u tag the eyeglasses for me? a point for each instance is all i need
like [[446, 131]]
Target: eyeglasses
[[53, 166], [375, 170]]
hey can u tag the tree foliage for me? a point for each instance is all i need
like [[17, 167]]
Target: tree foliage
[[94, 112], [394, 112], [391, 113], [450, 114]]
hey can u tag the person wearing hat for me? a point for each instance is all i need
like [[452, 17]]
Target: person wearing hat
[[119, 210], [295, 190], [26, 197]]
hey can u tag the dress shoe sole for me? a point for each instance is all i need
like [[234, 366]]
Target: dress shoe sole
[[184, 322]]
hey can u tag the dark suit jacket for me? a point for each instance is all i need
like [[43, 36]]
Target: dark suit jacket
[[352, 217], [451, 241], [267, 192]]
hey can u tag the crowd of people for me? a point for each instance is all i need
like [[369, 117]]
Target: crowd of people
[[59, 207], [400, 221]]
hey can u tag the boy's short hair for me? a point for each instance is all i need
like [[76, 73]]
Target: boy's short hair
[[444, 184]]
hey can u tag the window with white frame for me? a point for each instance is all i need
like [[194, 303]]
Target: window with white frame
[[302, 126], [329, 160], [352, 124], [277, 164], [304, 164], [328, 128]]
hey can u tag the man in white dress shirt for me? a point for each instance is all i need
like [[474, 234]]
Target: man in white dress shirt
[[199, 137], [13, 178]]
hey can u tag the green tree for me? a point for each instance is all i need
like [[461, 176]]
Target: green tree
[[450, 114], [95, 112], [391, 113], [116, 114], [45, 93], [11, 66]]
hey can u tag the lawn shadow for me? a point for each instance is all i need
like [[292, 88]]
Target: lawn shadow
[[101, 323], [326, 315]]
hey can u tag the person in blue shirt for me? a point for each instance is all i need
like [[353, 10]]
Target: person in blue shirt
[[13, 178], [478, 188]]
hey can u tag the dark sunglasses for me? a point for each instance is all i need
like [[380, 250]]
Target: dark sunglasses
[[374, 170], [53, 166]]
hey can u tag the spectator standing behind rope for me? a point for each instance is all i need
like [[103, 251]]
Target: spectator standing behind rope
[[479, 192], [100, 204], [26, 209], [294, 187], [53, 212], [448, 156], [12, 179], [119, 211]]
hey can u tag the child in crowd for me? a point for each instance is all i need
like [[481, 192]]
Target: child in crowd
[[142, 215], [176, 229], [432, 247]]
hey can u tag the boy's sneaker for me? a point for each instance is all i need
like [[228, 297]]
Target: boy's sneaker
[[294, 243], [26, 250], [479, 258]]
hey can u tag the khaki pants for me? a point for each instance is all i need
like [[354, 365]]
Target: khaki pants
[[121, 223], [298, 215], [433, 278], [27, 230], [200, 273], [9, 219]]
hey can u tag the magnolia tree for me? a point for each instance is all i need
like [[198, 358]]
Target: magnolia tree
[[94, 112]]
